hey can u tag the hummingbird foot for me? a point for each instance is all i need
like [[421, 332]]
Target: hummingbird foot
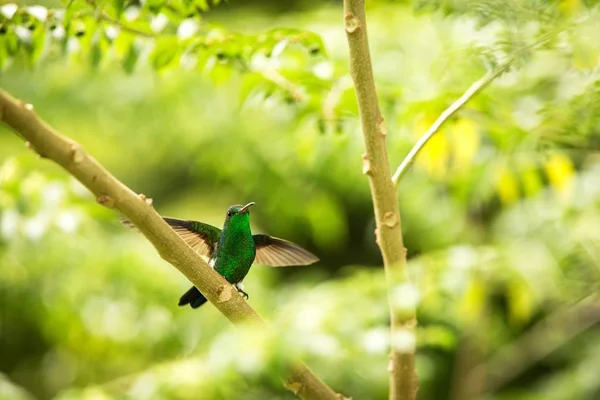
[[240, 288]]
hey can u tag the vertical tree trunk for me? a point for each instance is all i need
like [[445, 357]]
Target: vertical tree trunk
[[403, 379]]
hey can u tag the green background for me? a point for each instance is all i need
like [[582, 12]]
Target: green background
[[500, 213]]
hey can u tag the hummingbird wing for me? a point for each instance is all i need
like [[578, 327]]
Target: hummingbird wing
[[277, 252], [201, 237]]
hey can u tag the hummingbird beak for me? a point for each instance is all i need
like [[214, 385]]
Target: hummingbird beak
[[244, 209]]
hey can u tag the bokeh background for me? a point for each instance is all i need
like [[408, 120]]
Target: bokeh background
[[500, 213]]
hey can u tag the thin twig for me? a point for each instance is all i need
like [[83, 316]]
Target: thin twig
[[112, 193], [403, 378], [295, 91], [475, 88], [102, 16], [126, 28]]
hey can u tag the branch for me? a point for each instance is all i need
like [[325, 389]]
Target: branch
[[272, 75], [111, 193], [537, 343], [102, 16], [403, 379], [475, 88]]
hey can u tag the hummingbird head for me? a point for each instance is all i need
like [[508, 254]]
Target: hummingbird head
[[238, 214]]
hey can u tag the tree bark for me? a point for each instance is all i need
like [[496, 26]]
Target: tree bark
[[403, 378]]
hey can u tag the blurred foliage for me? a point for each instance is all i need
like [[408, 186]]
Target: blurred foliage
[[201, 105]]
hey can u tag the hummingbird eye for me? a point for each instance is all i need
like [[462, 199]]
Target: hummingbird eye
[[229, 213]]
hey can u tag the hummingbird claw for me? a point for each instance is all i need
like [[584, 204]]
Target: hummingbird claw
[[240, 289]]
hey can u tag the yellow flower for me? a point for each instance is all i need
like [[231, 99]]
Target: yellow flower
[[465, 142], [434, 156], [569, 7], [507, 185], [472, 305], [560, 172]]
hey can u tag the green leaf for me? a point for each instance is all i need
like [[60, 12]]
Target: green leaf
[[3, 53], [155, 5], [33, 40], [312, 42], [201, 4], [250, 83], [73, 11], [131, 57], [165, 51], [11, 43], [95, 54], [38, 44], [98, 48], [118, 5], [221, 73], [180, 7]]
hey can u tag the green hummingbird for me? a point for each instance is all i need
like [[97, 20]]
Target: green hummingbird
[[232, 250]]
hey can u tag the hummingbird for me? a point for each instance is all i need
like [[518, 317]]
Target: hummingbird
[[232, 250]]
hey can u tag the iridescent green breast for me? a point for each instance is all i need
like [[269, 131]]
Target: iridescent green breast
[[235, 253]]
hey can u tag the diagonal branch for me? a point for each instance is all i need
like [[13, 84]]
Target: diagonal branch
[[111, 193], [403, 379], [475, 88]]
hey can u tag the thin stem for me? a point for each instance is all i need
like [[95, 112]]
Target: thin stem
[[475, 88], [403, 379], [102, 16], [111, 193], [126, 28], [272, 75]]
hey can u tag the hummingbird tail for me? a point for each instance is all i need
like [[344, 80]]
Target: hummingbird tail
[[193, 297]]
